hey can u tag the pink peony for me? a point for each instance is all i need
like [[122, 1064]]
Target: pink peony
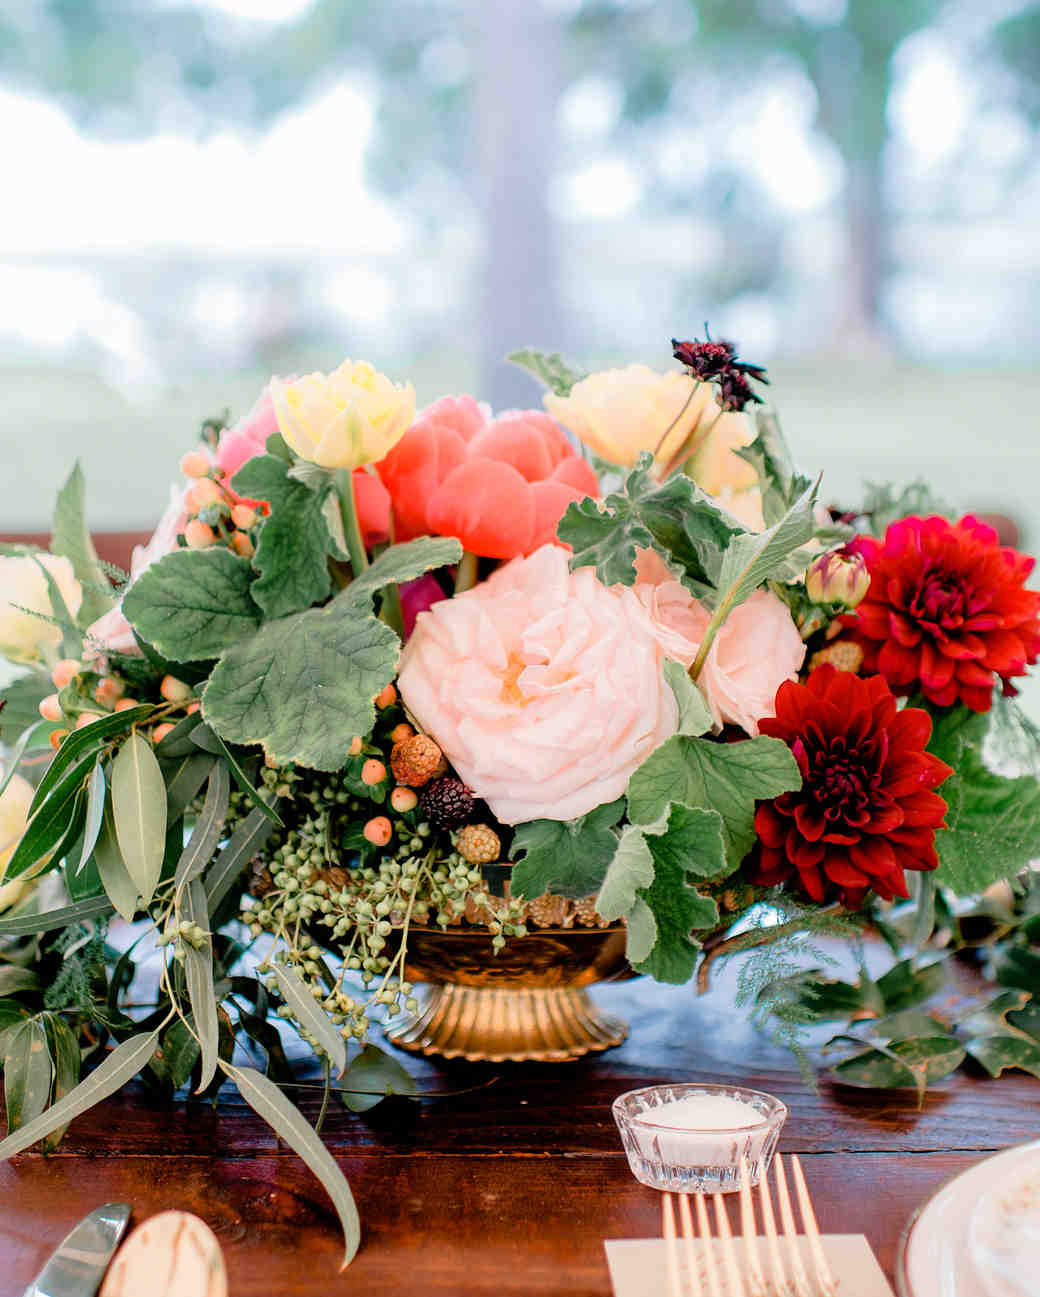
[[248, 437], [757, 649], [111, 632], [543, 687]]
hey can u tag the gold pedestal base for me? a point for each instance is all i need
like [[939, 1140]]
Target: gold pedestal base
[[498, 1024]]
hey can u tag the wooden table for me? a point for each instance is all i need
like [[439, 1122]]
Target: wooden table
[[508, 1189]]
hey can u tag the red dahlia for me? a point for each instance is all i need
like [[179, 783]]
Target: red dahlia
[[865, 811], [947, 611]]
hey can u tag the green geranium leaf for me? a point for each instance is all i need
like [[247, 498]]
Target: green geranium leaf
[[631, 869], [994, 826], [303, 686], [726, 777], [674, 517], [770, 555], [886, 503], [401, 563], [688, 843], [907, 1063], [953, 730], [997, 1043], [565, 857], [770, 457], [71, 539], [694, 714], [549, 368], [292, 553], [193, 604]]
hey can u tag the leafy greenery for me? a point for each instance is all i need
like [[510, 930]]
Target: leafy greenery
[[193, 604], [566, 857], [770, 457], [549, 368], [994, 826], [71, 539]]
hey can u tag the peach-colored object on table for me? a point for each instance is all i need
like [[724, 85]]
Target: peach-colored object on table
[[174, 1254]]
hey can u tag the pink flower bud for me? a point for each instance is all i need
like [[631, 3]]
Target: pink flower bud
[[840, 578], [196, 464], [50, 708], [199, 535]]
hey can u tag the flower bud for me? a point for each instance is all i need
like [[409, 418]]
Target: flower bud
[[196, 463], [50, 708], [65, 671], [174, 690], [199, 535], [840, 578]]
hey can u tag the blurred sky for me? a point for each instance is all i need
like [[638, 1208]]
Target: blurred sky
[[850, 189]]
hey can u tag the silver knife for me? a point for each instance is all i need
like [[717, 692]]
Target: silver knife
[[77, 1266]]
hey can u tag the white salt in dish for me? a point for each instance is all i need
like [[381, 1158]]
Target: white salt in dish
[[693, 1138]]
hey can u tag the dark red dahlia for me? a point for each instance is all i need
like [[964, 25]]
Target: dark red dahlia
[[947, 611], [865, 811]]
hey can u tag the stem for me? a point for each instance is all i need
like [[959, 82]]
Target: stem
[[690, 447], [714, 626], [392, 612], [685, 407], [723, 946], [351, 527], [467, 572]]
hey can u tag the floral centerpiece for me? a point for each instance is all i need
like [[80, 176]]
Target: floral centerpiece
[[604, 673]]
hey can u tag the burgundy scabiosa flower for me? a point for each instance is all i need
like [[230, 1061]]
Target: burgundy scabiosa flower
[[866, 811], [947, 611]]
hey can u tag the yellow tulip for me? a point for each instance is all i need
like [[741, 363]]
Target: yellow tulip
[[345, 419]]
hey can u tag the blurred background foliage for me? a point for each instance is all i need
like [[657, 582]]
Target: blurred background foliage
[[200, 194]]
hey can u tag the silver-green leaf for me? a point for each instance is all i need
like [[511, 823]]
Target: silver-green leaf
[[139, 808], [198, 974], [297, 996]]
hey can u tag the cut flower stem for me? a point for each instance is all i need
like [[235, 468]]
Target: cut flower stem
[[351, 527]]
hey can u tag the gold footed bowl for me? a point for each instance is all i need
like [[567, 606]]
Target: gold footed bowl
[[525, 1004]]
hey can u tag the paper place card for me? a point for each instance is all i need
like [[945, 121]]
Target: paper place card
[[639, 1266]]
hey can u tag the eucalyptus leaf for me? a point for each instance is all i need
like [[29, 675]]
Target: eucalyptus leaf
[[297, 995], [242, 846], [21, 925], [184, 778], [268, 1102], [71, 539], [67, 1058], [198, 975], [178, 742], [49, 828], [15, 980], [97, 796], [28, 1072], [139, 810], [87, 741], [120, 888], [26, 740], [373, 1076], [209, 741], [208, 827], [125, 1061]]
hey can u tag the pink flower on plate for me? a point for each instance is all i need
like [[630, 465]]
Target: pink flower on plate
[[111, 633], [542, 686], [757, 649]]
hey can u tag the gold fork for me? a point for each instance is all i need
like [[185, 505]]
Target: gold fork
[[707, 1278]]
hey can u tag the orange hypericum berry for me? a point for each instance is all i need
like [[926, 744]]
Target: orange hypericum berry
[[205, 491], [404, 799], [192, 708], [109, 691], [373, 772], [243, 545], [58, 737], [196, 463], [174, 690], [417, 760], [401, 732], [161, 731], [50, 708], [199, 535], [378, 830], [386, 697], [65, 671], [87, 718], [125, 704], [355, 746], [243, 516]]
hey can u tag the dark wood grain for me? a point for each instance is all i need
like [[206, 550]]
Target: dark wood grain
[[509, 1189]]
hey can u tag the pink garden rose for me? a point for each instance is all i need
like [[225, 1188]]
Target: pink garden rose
[[757, 649], [542, 686], [248, 437]]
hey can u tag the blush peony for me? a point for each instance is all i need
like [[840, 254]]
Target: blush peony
[[500, 486], [947, 611], [25, 604], [542, 686], [757, 649]]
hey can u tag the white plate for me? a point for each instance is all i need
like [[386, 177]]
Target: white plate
[[979, 1236]]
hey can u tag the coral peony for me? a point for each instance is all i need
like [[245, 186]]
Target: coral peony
[[865, 811], [947, 611], [542, 686], [757, 649], [500, 486], [345, 419]]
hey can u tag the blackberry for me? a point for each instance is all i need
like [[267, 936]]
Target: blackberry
[[447, 802]]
